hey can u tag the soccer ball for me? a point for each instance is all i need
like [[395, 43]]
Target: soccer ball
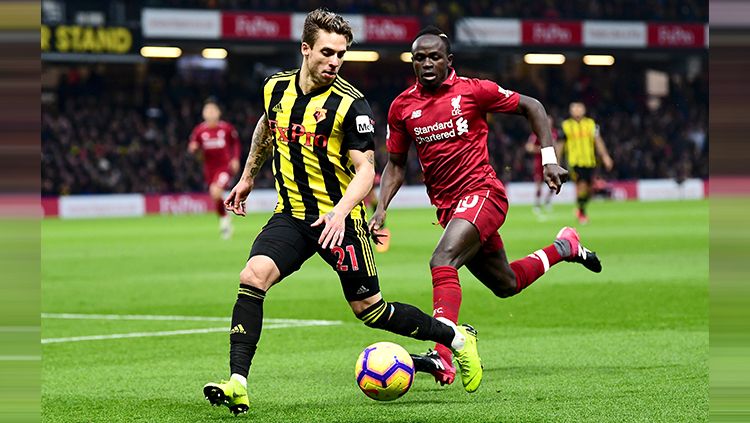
[[384, 371]]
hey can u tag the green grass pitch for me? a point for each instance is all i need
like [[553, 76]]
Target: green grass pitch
[[629, 344]]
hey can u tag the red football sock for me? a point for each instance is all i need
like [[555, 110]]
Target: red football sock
[[446, 300], [531, 267], [220, 210]]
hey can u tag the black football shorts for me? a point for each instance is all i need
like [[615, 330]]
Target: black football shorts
[[289, 242]]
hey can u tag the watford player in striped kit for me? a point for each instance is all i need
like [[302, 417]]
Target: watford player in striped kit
[[581, 144], [319, 131]]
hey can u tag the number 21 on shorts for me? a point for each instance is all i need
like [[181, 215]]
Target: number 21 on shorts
[[340, 255]]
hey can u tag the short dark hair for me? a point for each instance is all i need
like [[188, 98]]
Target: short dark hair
[[322, 18], [433, 30], [212, 100]]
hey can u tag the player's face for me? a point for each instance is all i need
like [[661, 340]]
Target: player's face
[[211, 112], [325, 57], [430, 60], [577, 110]]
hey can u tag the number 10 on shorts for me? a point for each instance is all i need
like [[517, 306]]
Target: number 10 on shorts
[[467, 203]]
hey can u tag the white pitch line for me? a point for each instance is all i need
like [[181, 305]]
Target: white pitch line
[[20, 358], [268, 324], [158, 317]]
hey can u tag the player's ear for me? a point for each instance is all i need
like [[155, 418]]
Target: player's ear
[[450, 59], [305, 49]]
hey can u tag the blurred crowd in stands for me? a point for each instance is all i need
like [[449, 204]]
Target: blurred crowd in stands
[[100, 137], [443, 12]]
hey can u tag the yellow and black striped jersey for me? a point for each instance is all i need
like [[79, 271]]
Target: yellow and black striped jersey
[[580, 138], [313, 134]]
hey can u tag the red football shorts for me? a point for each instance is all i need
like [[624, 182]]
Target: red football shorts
[[485, 209], [220, 177], [538, 170]]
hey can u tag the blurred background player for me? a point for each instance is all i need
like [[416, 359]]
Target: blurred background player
[[220, 144], [534, 147], [581, 144]]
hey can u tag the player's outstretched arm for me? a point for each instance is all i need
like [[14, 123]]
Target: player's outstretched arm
[[601, 148], [554, 175], [262, 144], [359, 187], [390, 182]]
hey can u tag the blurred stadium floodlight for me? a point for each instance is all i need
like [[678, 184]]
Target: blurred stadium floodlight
[[361, 56], [544, 59], [406, 57], [161, 52], [599, 60], [214, 53]]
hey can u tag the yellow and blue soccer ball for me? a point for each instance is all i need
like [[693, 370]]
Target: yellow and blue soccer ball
[[384, 371]]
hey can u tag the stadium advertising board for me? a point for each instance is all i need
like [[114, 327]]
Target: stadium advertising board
[[604, 34], [77, 39], [261, 26], [551, 33], [489, 31], [614, 34], [414, 196], [181, 24], [676, 35], [256, 26]]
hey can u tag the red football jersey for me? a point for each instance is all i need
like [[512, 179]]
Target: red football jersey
[[220, 144], [449, 128]]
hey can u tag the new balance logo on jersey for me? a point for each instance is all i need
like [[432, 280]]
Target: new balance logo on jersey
[[277, 109], [416, 114], [462, 125], [362, 290], [238, 329]]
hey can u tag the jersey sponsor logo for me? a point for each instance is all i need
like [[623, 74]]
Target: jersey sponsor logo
[[320, 114], [297, 133], [456, 104], [416, 114], [439, 131], [212, 143], [364, 124], [462, 125]]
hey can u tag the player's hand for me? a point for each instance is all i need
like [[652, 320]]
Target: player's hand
[[234, 166], [235, 201], [608, 164], [376, 222], [555, 176], [333, 233], [192, 147]]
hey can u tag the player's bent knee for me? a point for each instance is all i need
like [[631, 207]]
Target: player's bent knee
[[260, 272], [361, 305]]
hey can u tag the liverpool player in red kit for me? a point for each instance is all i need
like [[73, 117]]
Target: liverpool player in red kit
[[534, 146], [444, 115], [220, 144]]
